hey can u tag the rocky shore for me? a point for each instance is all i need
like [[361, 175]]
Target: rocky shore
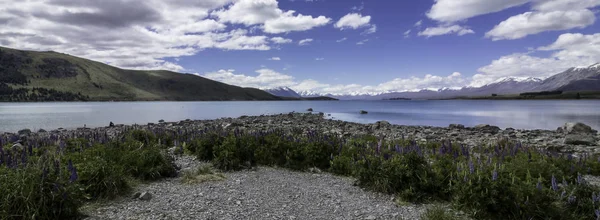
[[273, 193], [571, 138]]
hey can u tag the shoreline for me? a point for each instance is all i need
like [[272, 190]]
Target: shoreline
[[581, 140]]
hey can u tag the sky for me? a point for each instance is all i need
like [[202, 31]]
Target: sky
[[322, 46]]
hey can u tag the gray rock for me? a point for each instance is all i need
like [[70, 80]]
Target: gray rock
[[42, 131], [484, 128], [370, 217], [363, 112], [576, 128], [24, 132], [145, 196], [137, 195], [456, 126], [310, 109], [161, 121], [580, 139]]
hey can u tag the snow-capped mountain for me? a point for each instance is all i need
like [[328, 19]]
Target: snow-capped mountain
[[283, 92], [574, 79]]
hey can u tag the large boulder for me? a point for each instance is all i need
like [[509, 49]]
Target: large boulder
[[485, 128], [576, 128], [25, 132], [581, 139]]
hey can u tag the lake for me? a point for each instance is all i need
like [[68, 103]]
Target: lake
[[529, 114]]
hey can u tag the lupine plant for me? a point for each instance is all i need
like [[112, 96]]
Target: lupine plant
[[502, 181]]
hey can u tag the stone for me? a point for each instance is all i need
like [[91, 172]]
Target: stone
[[363, 112], [161, 121], [136, 195], [145, 196], [111, 124], [310, 109], [576, 128], [18, 147], [42, 131], [24, 132], [485, 128], [580, 139], [457, 126], [370, 217]]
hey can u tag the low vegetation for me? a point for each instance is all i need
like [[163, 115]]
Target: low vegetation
[[51, 177], [201, 174]]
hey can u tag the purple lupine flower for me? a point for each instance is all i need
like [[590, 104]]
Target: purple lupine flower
[[597, 212], [73, 171], [563, 194], [494, 175], [539, 185], [579, 179], [554, 184], [471, 167], [596, 198]]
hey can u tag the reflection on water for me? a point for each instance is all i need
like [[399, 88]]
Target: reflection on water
[[538, 114]]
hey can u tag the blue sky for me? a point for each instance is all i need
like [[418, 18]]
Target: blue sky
[[406, 45]]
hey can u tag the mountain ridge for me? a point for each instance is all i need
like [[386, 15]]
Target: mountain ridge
[[52, 76]]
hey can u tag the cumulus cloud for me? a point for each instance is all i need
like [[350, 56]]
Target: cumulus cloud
[[362, 42], [569, 50], [267, 13], [281, 40], [353, 21], [275, 58], [457, 10], [545, 15], [356, 21], [419, 23], [267, 78], [443, 30], [529, 23], [305, 42], [142, 34]]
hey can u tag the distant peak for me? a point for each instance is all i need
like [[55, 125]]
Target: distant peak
[[597, 65]]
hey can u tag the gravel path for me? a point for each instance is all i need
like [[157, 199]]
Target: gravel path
[[264, 193]]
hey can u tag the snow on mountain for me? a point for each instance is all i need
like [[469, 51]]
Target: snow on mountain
[[283, 92]]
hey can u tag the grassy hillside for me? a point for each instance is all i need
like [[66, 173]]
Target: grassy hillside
[[51, 76]]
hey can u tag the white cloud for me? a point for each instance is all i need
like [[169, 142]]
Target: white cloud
[[370, 30], [305, 42], [569, 50], [268, 14], [443, 30], [341, 40], [407, 33], [319, 59], [281, 40], [267, 78], [127, 34], [353, 21], [419, 23], [559, 5], [457, 10], [529, 23], [358, 8], [362, 42], [275, 58], [545, 15]]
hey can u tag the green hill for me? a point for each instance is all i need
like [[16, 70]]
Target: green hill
[[52, 76]]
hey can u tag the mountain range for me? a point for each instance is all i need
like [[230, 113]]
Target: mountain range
[[573, 79], [52, 76]]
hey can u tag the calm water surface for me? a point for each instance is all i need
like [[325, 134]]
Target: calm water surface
[[517, 114]]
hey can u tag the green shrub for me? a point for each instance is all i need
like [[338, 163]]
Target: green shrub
[[40, 190], [234, 154], [148, 162], [438, 213]]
